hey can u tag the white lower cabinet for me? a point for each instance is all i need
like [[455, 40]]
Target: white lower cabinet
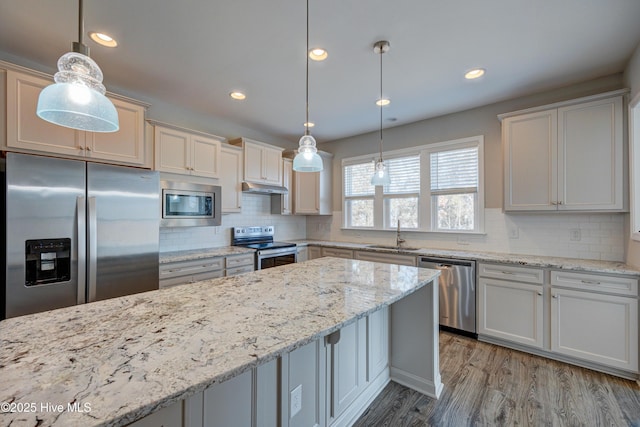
[[303, 254], [399, 259], [589, 319], [512, 311], [327, 382], [595, 327], [346, 368], [337, 252], [314, 252]]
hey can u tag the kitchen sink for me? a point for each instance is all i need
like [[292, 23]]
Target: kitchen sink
[[395, 248]]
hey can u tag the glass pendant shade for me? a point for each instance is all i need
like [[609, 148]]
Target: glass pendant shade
[[307, 159], [76, 99], [380, 175]]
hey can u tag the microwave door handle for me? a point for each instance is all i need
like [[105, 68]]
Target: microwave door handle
[[81, 247], [92, 236]]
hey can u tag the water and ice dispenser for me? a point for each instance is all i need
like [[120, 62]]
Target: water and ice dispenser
[[47, 261]]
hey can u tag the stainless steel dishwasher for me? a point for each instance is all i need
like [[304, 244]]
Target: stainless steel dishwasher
[[457, 293]]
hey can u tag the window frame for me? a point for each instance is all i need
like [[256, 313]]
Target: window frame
[[425, 198]]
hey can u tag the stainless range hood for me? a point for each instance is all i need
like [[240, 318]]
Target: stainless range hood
[[254, 187]]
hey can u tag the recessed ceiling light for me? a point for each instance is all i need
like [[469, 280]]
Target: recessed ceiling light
[[237, 95], [474, 73], [318, 54], [103, 39], [309, 124], [382, 102]]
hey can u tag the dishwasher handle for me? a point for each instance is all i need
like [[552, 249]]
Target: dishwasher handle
[[446, 263]]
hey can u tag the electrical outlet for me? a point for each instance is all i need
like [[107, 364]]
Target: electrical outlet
[[575, 234], [296, 401], [514, 232]]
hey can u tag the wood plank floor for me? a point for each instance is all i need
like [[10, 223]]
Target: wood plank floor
[[488, 385]]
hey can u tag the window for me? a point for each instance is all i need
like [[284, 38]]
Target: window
[[436, 187], [454, 189]]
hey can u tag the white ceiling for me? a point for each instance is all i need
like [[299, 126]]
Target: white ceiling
[[192, 53]]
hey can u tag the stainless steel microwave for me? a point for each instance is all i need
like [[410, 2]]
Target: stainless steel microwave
[[186, 204]]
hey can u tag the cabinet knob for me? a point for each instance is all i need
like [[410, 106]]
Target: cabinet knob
[[540, 293], [554, 296], [88, 148], [80, 147], [554, 203]]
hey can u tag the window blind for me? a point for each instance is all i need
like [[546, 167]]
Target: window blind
[[454, 171], [404, 173], [357, 180]]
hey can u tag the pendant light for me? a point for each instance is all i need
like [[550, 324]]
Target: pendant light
[[381, 174], [307, 159], [76, 99]]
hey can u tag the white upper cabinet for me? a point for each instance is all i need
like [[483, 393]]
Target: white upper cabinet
[[312, 190], [569, 157], [28, 133], [186, 153], [262, 162], [231, 173]]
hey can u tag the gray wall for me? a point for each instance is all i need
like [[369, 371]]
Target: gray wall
[[477, 121]]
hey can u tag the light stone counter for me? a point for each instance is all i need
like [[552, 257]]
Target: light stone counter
[[605, 267], [128, 357], [167, 257]]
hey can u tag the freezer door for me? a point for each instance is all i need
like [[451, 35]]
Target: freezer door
[[123, 219], [43, 198]]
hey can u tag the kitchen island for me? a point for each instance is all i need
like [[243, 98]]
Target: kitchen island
[[116, 361]]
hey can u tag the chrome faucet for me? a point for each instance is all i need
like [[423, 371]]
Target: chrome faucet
[[399, 240]]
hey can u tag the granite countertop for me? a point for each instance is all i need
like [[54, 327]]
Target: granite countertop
[[167, 257], [606, 267], [128, 357]]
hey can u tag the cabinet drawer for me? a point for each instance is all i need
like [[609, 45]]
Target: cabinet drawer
[[336, 252], [207, 275], [174, 281], [239, 270], [185, 268], [240, 260], [387, 258], [596, 283], [512, 273]]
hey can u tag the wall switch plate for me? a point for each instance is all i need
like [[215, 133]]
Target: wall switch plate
[[296, 401], [514, 232], [575, 234]]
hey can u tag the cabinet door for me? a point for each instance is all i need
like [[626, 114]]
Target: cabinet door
[[127, 144], [347, 373], [314, 252], [253, 162], [590, 156], [307, 193], [595, 327], [173, 151], [511, 311], [530, 145], [338, 252], [27, 131], [303, 254], [205, 156], [378, 342], [272, 165], [287, 180], [231, 173], [229, 404], [171, 416]]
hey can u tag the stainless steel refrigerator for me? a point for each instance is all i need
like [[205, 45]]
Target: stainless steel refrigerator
[[76, 232]]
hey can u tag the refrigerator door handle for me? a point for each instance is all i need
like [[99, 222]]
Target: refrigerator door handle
[[81, 208], [92, 250]]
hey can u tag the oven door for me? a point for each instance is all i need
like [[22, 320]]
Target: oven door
[[268, 259]]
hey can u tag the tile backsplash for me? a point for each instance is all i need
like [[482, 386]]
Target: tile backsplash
[[256, 210], [597, 236]]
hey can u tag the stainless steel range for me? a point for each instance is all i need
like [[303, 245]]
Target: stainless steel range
[[268, 253]]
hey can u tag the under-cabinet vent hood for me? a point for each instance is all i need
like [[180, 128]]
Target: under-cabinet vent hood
[[254, 187]]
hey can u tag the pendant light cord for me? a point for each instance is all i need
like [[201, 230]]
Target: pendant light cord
[[80, 21], [306, 124], [381, 53]]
